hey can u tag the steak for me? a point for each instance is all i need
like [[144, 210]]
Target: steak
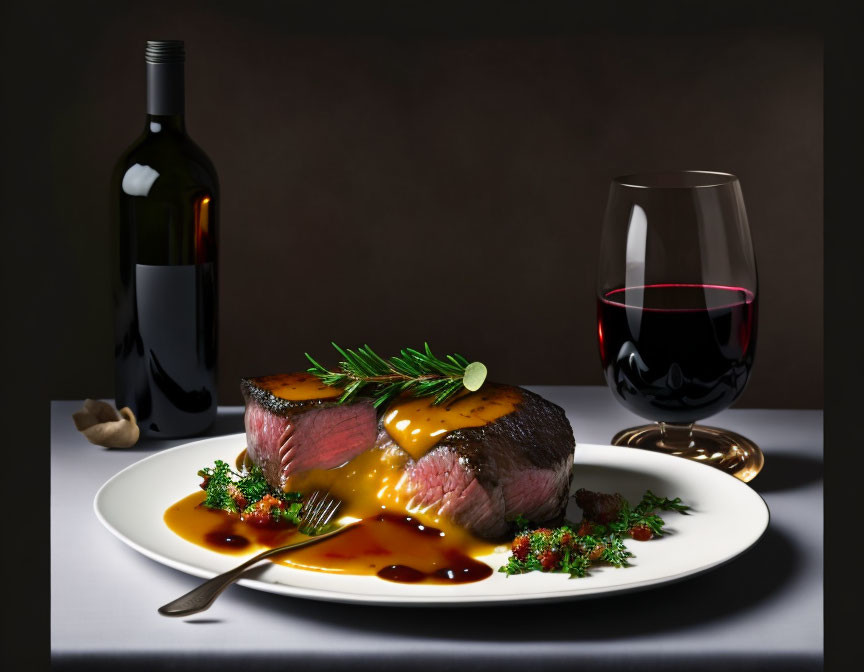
[[284, 436], [482, 478]]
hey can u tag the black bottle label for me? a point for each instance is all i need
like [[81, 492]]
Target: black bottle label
[[175, 308]]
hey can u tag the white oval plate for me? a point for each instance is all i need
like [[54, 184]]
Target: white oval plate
[[727, 518]]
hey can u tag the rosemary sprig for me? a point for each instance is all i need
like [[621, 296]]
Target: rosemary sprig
[[421, 373]]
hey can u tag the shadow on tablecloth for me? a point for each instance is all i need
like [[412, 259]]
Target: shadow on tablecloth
[[787, 471], [736, 587]]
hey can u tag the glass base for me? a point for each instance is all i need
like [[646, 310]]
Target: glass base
[[725, 450]]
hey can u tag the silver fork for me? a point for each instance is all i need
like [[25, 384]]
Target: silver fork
[[315, 518]]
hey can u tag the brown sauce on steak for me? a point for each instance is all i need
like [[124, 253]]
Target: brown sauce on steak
[[417, 426], [296, 387]]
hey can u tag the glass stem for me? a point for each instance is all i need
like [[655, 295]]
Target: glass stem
[[675, 436]]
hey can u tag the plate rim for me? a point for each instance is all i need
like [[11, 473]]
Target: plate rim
[[339, 596]]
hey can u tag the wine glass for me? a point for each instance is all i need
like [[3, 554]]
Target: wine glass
[[676, 312]]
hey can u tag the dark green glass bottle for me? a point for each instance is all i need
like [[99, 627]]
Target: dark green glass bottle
[[165, 200]]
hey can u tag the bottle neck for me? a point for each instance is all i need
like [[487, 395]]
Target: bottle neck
[[161, 123], [165, 92]]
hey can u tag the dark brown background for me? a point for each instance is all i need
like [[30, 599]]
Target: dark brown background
[[417, 178]]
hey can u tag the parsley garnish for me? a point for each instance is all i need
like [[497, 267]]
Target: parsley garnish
[[216, 482], [248, 494]]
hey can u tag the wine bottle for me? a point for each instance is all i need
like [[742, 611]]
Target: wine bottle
[[165, 198]]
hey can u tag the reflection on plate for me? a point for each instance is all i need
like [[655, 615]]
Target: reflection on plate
[[727, 519]]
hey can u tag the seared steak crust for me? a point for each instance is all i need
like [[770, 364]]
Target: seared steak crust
[[537, 433], [251, 388], [483, 477]]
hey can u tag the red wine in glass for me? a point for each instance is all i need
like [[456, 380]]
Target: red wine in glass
[[676, 312], [684, 352]]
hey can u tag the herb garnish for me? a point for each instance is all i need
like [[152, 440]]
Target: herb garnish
[[641, 516], [572, 549], [421, 373], [248, 494]]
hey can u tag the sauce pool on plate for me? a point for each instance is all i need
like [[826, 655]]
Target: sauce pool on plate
[[391, 546]]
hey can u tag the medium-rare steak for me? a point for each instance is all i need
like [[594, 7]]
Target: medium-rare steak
[[490, 455], [483, 477], [294, 424]]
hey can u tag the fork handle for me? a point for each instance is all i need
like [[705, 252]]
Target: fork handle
[[200, 598]]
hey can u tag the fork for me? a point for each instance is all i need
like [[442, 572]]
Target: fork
[[315, 517]]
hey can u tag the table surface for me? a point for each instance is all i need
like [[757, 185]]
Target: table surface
[[761, 611]]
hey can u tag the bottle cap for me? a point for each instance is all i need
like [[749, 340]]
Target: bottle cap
[[165, 51]]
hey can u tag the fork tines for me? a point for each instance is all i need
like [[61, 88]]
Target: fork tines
[[317, 512]]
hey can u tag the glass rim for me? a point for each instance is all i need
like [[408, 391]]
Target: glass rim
[[676, 179]]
